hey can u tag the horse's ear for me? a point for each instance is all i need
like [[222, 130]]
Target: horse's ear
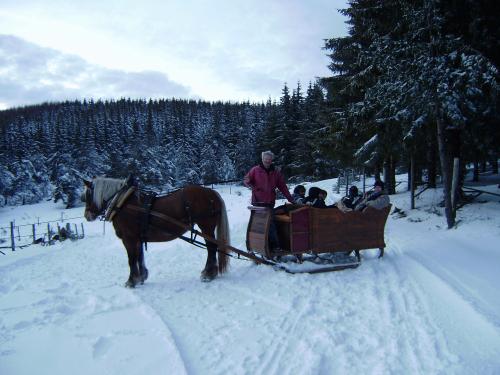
[[87, 183]]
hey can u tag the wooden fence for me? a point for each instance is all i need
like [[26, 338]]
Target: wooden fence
[[42, 232]]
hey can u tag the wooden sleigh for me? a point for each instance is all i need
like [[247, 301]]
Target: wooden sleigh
[[317, 239]]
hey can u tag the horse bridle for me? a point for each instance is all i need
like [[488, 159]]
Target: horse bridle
[[87, 194], [87, 198]]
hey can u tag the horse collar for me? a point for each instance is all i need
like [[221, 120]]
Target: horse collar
[[116, 202]]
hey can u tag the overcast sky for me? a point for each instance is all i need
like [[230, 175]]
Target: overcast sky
[[208, 49]]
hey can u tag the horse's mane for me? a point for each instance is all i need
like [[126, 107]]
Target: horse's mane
[[104, 188]]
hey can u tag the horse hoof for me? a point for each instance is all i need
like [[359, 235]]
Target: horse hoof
[[144, 275], [133, 281], [206, 278], [208, 275], [129, 284]]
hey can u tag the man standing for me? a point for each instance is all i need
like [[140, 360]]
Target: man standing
[[264, 179]]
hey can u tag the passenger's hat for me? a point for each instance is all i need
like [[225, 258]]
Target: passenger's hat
[[378, 183]]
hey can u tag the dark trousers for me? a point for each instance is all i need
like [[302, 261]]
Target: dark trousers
[[273, 234]]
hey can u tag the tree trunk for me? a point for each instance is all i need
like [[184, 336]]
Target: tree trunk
[[445, 158], [392, 184], [390, 175], [431, 166], [475, 174], [410, 178], [494, 165], [418, 173], [386, 175], [455, 183]]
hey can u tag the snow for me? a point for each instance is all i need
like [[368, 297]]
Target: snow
[[430, 306]]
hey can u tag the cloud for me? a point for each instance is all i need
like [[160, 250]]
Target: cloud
[[31, 74], [253, 48], [222, 50]]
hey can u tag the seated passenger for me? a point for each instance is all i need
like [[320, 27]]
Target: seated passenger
[[316, 197], [320, 203], [349, 202], [299, 194], [377, 198]]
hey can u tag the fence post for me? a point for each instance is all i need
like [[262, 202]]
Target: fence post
[[48, 234], [339, 181], [364, 181], [412, 182], [12, 238], [76, 231], [34, 233], [347, 184], [83, 232], [454, 183]]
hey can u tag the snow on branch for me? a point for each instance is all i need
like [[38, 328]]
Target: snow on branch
[[367, 147]]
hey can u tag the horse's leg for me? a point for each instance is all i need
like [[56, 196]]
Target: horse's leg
[[133, 251], [143, 271], [210, 271]]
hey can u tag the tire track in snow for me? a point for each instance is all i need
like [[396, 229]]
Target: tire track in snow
[[376, 312], [461, 288], [362, 317], [282, 334], [421, 344], [61, 294], [463, 327], [177, 342]]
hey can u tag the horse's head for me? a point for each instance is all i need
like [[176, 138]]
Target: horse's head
[[91, 209], [98, 193]]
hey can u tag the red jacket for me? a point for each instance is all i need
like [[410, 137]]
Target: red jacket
[[264, 183]]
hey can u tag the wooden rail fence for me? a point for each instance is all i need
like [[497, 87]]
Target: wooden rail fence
[[44, 233]]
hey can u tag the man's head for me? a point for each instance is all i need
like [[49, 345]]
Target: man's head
[[300, 189], [322, 194], [267, 158], [378, 185], [353, 191]]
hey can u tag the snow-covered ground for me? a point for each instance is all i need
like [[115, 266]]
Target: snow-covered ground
[[430, 306]]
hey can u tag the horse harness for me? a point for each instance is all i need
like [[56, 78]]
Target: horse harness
[[117, 203]]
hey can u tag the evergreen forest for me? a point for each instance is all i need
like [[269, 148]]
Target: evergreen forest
[[413, 83]]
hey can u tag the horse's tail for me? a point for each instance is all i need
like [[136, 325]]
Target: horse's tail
[[223, 235]]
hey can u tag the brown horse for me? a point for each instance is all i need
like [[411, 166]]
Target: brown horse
[[190, 205]]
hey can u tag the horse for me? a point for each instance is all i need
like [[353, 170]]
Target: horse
[[192, 204]]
